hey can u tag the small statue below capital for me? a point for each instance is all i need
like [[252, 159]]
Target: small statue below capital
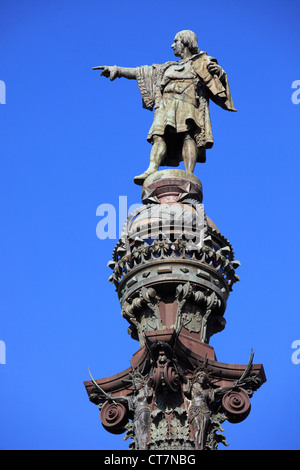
[[179, 92]]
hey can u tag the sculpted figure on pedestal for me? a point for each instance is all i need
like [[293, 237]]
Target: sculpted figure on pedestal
[[139, 403], [179, 92], [115, 410], [203, 397]]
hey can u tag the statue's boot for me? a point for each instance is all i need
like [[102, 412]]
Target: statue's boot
[[153, 167], [139, 180], [157, 153]]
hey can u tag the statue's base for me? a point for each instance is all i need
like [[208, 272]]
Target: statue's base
[[169, 186], [173, 271], [169, 378]]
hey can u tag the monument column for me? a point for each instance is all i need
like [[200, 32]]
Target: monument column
[[173, 271]]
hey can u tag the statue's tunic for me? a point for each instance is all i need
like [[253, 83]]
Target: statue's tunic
[[179, 92]]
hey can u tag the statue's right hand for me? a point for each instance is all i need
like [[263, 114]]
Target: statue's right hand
[[105, 71], [108, 71]]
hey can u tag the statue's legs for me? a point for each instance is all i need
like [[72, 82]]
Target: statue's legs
[[200, 426], [189, 153], [158, 151], [141, 430]]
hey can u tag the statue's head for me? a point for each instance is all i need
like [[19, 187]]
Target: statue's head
[[201, 378], [185, 38], [137, 380]]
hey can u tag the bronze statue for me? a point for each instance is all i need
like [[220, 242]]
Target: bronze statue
[[179, 91], [137, 404], [203, 397], [199, 413]]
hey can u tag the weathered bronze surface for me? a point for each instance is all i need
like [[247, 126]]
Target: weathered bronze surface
[[182, 397], [179, 92], [173, 271]]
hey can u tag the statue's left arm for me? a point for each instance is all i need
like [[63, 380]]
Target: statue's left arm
[[215, 79], [223, 99]]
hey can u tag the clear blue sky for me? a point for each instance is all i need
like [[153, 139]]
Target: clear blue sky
[[71, 141]]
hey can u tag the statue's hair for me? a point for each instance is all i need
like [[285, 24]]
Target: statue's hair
[[189, 39], [200, 373]]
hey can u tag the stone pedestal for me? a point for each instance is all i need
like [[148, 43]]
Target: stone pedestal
[[173, 271]]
